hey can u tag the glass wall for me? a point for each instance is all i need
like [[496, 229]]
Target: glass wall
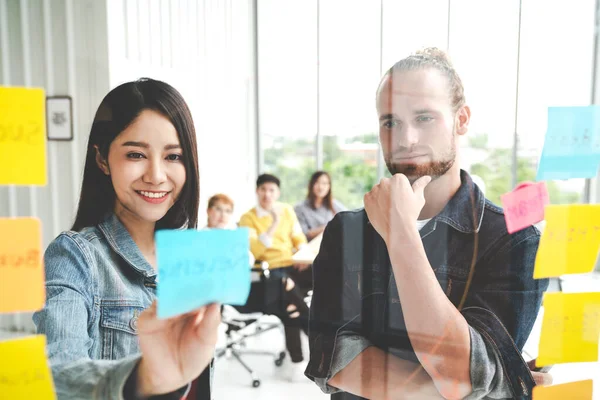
[[487, 64], [348, 75], [555, 70], [320, 62], [287, 89]]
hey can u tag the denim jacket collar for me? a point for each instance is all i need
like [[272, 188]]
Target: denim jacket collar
[[121, 242], [464, 211]]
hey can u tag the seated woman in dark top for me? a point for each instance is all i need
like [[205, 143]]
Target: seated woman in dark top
[[314, 213], [319, 207]]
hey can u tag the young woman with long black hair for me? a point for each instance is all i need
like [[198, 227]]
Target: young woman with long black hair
[[141, 174]]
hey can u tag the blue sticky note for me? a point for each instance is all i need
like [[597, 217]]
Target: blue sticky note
[[566, 167], [196, 268], [572, 144]]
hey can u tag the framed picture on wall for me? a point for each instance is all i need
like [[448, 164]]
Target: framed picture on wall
[[59, 118]]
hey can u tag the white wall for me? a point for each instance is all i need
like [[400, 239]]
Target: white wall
[[83, 48], [203, 49]]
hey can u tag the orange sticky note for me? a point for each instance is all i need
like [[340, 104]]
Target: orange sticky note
[[24, 370], [573, 391], [570, 328], [570, 241], [21, 269], [22, 136], [524, 206]]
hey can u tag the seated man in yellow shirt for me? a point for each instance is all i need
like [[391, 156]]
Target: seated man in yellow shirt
[[275, 234]]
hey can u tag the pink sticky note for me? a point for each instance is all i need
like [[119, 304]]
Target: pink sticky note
[[524, 206]]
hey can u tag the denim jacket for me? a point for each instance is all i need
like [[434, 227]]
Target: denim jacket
[[356, 304], [97, 285]]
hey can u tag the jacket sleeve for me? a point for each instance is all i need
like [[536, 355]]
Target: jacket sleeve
[[66, 319], [501, 307], [334, 309]]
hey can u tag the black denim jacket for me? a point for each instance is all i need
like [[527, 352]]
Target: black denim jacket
[[355, 290]]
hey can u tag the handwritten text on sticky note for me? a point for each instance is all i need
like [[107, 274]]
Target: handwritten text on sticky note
[[570, 240], [22, 136], [570, 328], [21, 269], [581, 390], [525, 206], [24, 371], [572, 143], [196, 268]]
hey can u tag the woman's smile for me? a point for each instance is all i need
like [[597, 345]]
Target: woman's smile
[[153, 197]]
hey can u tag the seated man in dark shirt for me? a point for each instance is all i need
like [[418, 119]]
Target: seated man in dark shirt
[[423, 293]]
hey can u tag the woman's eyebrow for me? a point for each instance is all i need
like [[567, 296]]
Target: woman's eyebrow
[[136, 144], [146, 145]]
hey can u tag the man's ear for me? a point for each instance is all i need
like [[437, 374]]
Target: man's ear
[[463, 117], [101, 162]]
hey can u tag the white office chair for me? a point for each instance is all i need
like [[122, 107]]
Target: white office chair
[[249, 321]]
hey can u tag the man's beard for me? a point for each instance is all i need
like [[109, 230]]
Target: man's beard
[[434, 169]]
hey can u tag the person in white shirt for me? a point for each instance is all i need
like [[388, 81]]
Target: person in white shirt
[[219, 212]]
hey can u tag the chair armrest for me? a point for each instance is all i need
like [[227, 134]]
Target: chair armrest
[[260, 266]]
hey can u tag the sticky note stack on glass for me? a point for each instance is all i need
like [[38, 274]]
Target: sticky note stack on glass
[[21, 269], [570, 241], [22, 136], [572, 144], [581, 390], [24, 370], [524, 206], [570, 328], [196, 268]]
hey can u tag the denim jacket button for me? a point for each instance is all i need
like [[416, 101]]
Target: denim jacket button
[[133, 323]]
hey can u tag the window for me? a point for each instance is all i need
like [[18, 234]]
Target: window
[[320, 63], [287, 64], [555, 70], [484, 52], [411, 25], [349, 72]]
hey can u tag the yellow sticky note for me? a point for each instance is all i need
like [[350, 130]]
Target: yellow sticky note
[[570, 328], [573, 391], [22, 136], [21, 268], [24, 370], [570, 241]]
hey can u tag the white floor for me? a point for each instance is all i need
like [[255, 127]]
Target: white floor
[[232, 381]]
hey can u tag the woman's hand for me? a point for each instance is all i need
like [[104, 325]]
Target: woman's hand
[[313, 233], [301, 267], [175, 351]]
